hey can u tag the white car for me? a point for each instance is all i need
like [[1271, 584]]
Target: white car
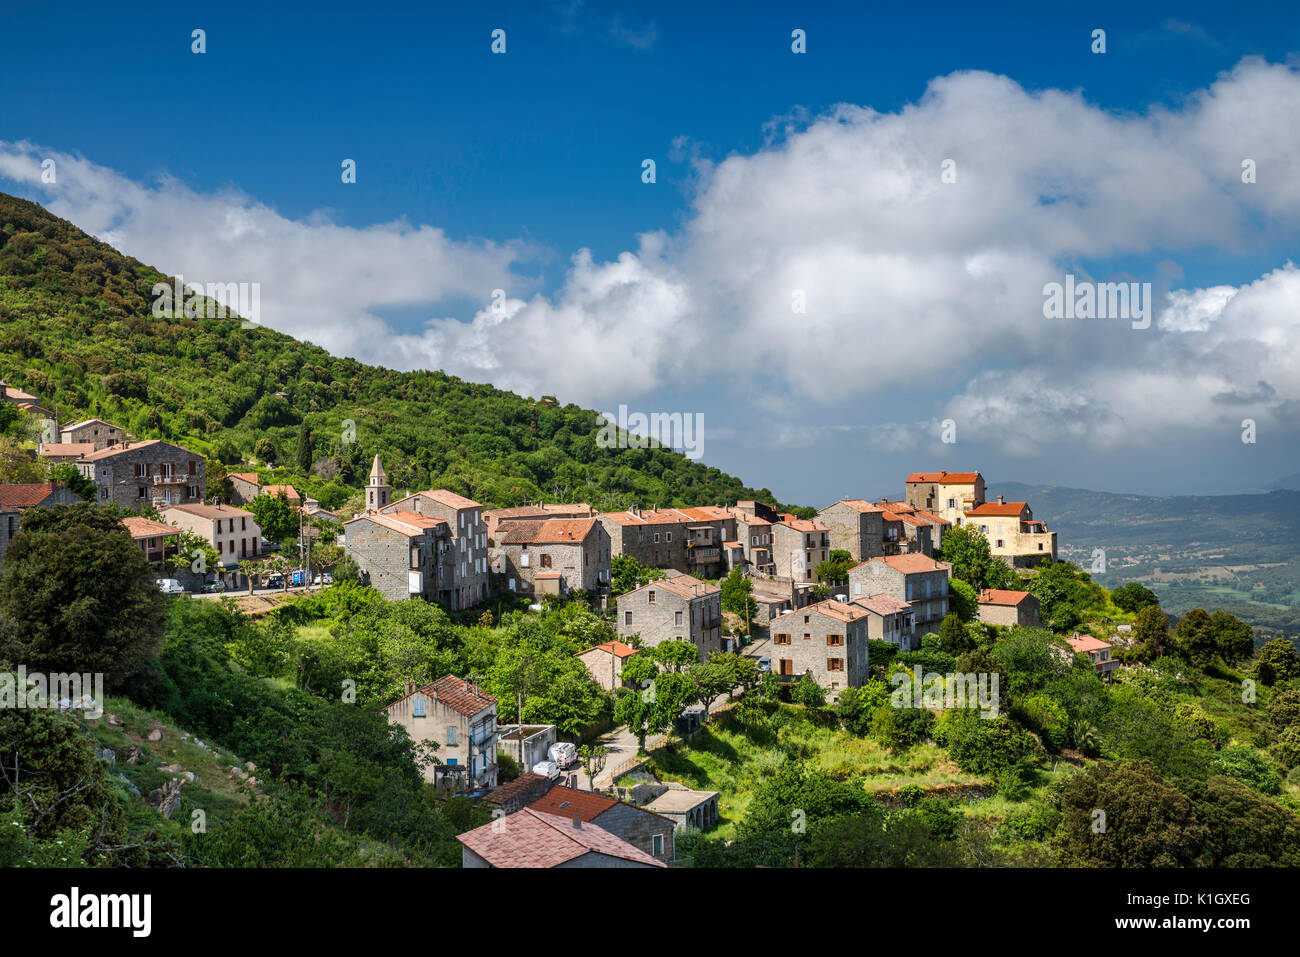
[[170, 586], [547, 769]]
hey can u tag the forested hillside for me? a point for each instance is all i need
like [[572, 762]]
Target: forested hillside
[[77, 329]]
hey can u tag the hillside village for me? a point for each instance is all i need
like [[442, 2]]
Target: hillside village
[[820, 594]]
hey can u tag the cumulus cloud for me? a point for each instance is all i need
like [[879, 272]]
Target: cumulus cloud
[[836, 260]]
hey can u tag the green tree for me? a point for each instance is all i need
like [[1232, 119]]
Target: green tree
[[653, 709], [738, 595], [1277, 661], [1151, 633], [953, 635], [1133, 597], [1234, 640], [275, 516], [304, 449], [16, 466], [963, 599], [71, 476], [836, 567], [973, 562], [76, 594], [676, 655], [1193, 638]]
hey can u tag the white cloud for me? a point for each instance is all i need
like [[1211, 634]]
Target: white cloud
[[912, 284]]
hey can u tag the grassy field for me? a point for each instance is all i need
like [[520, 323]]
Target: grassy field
[[732, 757]]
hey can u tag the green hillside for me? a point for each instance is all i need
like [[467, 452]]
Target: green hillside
[[77, 329]]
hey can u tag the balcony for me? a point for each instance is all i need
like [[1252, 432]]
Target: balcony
[[168, 479], [704, 556]]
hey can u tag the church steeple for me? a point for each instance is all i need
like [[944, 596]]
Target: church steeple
[[378, 492]]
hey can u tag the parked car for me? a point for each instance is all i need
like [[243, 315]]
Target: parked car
[[275, 581], [764, 664], [213, 588], [564, 753], [547, 769], [170, 586], [325, 579]]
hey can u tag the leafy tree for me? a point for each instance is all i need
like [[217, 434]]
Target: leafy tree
[[808, 692], [16, 466], [1247, 765], [900, 728], [652, 710], [1193, 639], [71, 476], [836, 567], [304, 450], [712, 680], [973, 562], [953, 636], [347, 569], [76, 594], [738, 595], [1283, 709], [1277, 661], [265, 452], [1151, 632], [1234, 640], [593, 758], [1147, 822], [963, 599], [1133, 597], [676, 655], [275, 516]]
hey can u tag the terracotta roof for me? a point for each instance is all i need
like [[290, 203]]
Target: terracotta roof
[[759, 596], [802, 524], [113, 450], [85, 422], [27, 495], [407, 523], [705, 513], [883, 604], [857, 504], [946, 478], [1002, 596], [289, 491], [14, 393], [999, 508], [450, 499], [566, 802], [459, 695], [250, 477], [550, 531], [79, 449], [911, 562], [616, 648], [533, 838], [520, 785], [1087, 643], [684, 586], [140, 527], [209, 511], [932, 518], [831, 609]]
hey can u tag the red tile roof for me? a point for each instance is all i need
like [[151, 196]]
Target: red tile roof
[[684, 586], [530, 838], [911, 562], [551, 531], [999, 508], [946, 478], [1002, 596], [27, 495], [616, 648], [250, 477], [140, 527], [459, 695], [568, 803], [78, 449], [1087, 643], [883, 604], [444, 497], [289, 491], [209, 511]]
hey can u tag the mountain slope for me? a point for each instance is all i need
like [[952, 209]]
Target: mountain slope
[[77, 329]]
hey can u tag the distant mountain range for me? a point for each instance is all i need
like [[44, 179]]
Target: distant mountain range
[[1238, 552]]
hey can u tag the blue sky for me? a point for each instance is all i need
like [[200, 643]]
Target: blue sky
[[477, 171]]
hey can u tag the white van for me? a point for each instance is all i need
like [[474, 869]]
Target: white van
[[170, 586], [564, 753]]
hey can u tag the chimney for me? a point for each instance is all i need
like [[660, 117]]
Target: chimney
[[577, 821], [1000, 501]]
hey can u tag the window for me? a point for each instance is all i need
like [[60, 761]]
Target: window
[[546, 559], [139, 492], [677, 618], [627, 618], [656, 538], [452, 734], [807, 635], [780, 639], [194, 467], [668, 536], [834, 664], [835, 640], [218, 546], [657, 845], [806, 619], [651, 599], [417, 708]]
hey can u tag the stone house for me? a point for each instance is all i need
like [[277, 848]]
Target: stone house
[[534, 839], [244, 487], [605, 663], [576, 549], [999, 606], [890, 619], [462, 720], [684, 806], [157, 473], [401, 554], [642, 828], [686, 539], [518, 794], [855, 526], [798, 547], [754, 523], [56, 453], [827, 641], [1013, 534], [465, 582], [949, 495], [769, 607], [494, 518], [1098, 652], [917, 579], [95, 432], [676, 608]]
